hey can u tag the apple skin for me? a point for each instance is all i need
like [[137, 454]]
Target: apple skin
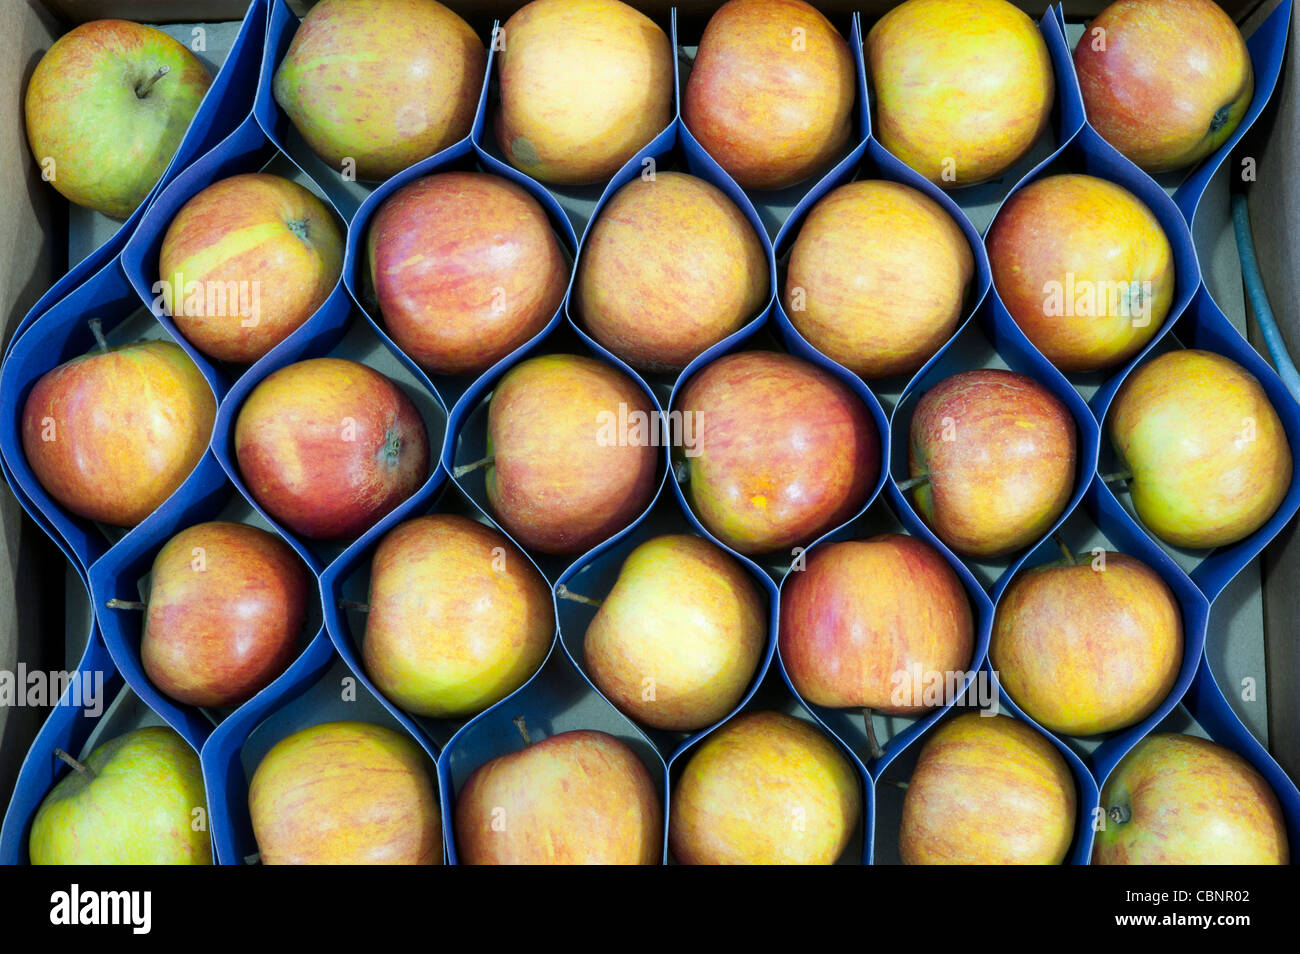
[[217, 633], [127, 426], [1172, 83], [579, 797], [687, 615], [1084, 651], [553, 485], [770, 114], [1177, 424], [345, 793], [862, 612], [670, 268], [138, 810], [328, 446], [385, 83], [459, 618], [963, 80], [1083, 232], [765, 788], [988, 790], [1006, 471], [784, 450], [877, 277], [109, 144], [1182, 800], [584, 85], [466, 268], [251, 228]]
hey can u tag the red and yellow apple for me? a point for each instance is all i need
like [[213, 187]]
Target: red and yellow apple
[[465, 269], [988, 790], [1084, 268], [781, 451], [584, 85], [1209, 458], [245, 262], [670, 268], [328, 446], [579, 797], [677, 640], [877, 277], [771, 92], [345, 793], [225, 610], [114, 433], [994, 453], [963, 88], [377, 86], [765, 788], [1165, 82]]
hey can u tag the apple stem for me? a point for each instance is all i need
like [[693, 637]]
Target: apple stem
[[1119, 814], [97, 329], [872, 742], [85, 770], [564, 593], [1117, 477], [464, 469], [522, 726], [911, 482], [126, 604], [354, 605], [897, 783], [1065, 551], [143, 89]]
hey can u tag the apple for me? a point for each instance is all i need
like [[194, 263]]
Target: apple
[[963, 88], [670, 267], [579, 797], [780, 451], [678, 639], [766, 788], [771, 92], [864, 618], [345, 793], [458, 618], [377, 86], [1084, 268], [1209, 458], [465, 269], [877, 277], [584, 85], [245, 262], [329, 446], [1086, 648], [138, 800], [112, 434], [992, 454], [1164, 81], [1180, 800], [572, 445], [987, 790], [225, 609], [107, 107]]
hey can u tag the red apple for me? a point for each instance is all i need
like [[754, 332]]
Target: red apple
[[964, 88], [994, 454], [458, 618], [112, 434], [877, 277], [780, 451], [771, 92], [245, 262], [988, 790], [865, 620], [584, 85], [465, 268], [670, 268], [329, 446], [576, 798], [1165, 82], [381, 84], [225, 610], [573, 452]]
